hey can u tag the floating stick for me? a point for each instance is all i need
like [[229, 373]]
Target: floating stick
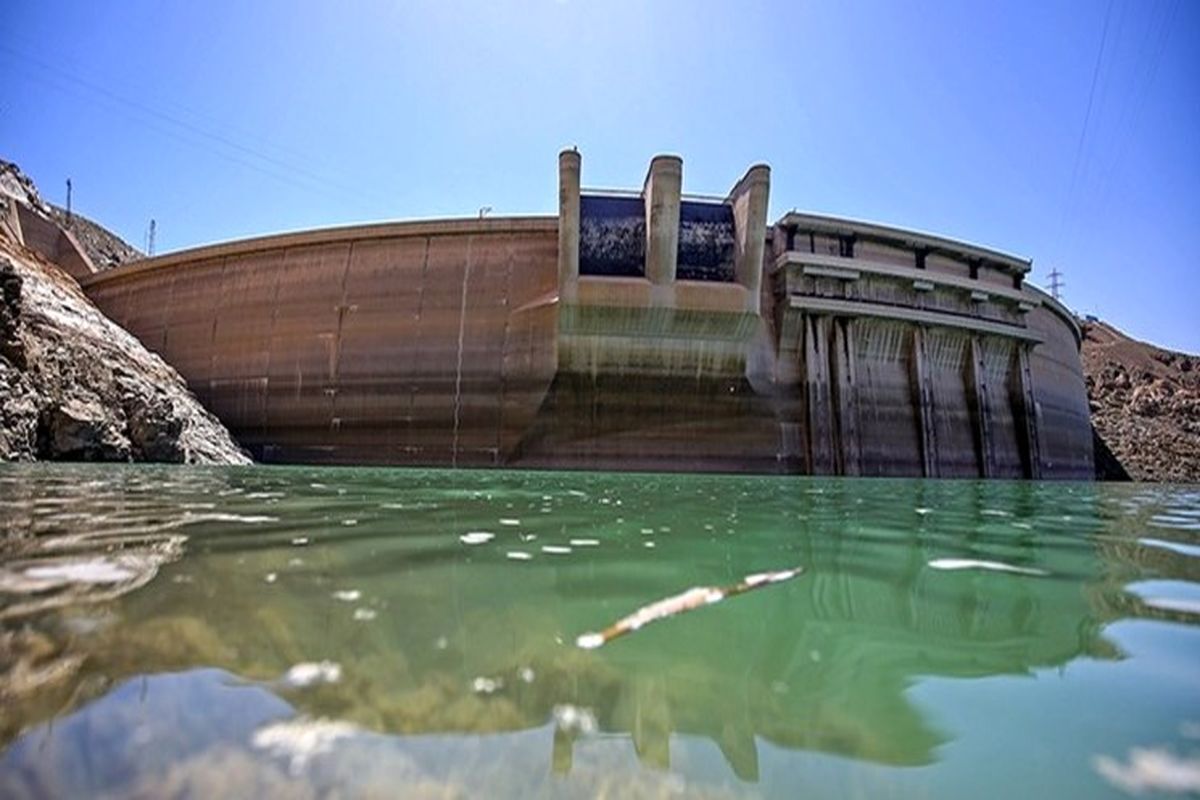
[[690, 600]]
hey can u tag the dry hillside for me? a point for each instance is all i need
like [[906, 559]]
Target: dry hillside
[[1145, 404]]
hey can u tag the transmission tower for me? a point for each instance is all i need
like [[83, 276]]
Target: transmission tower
[[1056, 284], [150, 239]]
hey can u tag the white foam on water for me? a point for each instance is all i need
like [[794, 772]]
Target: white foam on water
[[365, 614], [585, 542], [300, 541], [647, 531], [649, 545], [518, 555], [311, 673], [347, 595], [554, 549], [477, 537], [271, 577], [972, 563], [509, 521]]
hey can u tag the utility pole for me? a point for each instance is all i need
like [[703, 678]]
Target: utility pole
[[68, 202], [150, 239], [1056, 284]]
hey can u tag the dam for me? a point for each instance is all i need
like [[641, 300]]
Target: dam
[[636, 330]]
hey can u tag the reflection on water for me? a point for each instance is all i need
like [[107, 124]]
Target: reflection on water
[[173, 631]]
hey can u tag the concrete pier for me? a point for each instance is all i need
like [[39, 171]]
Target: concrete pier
[[569, 168], [662, 193], [749, 200]]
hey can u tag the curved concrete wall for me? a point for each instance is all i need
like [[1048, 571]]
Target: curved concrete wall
[[429, 343], [851, 349]]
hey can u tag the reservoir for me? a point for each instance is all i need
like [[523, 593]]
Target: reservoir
[[320, 631]]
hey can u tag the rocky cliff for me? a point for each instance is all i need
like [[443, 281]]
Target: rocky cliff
[[1145, 404], [75, 386]]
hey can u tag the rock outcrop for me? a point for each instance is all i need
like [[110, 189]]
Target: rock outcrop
[[75, 386], [1145, 404]]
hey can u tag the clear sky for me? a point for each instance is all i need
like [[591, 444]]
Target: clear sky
[[1068, 132]]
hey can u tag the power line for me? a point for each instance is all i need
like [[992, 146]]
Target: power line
[[1149, 55], [290, 172], [1087, 116]]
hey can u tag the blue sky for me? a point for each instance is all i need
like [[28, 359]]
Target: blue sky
[[1068, 132]]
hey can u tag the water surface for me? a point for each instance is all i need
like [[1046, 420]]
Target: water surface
[[304, 632]]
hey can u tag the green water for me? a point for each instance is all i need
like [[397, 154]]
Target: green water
[[304, 632]]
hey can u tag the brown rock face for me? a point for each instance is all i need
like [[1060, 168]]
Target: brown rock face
[[1145, 404], [75, 386]]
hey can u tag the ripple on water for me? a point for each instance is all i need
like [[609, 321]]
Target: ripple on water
[[993, 566]]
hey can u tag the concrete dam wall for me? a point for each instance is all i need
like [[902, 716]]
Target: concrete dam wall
[[635, 330]]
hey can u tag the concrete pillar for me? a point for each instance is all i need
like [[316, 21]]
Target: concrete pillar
[[569, 162], [983, 410], [845, 400], [749, 199], [818, 398], [1029, 408], [662, 193], [923, 396]]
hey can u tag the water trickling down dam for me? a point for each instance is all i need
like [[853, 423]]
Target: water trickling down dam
[[636, 330]]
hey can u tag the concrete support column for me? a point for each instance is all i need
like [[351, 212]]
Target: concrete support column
[[983, 409], [923, 397], [569, 163], [845, 399], [749, 200], [818, 398], [1029, 408], [662, 194]]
